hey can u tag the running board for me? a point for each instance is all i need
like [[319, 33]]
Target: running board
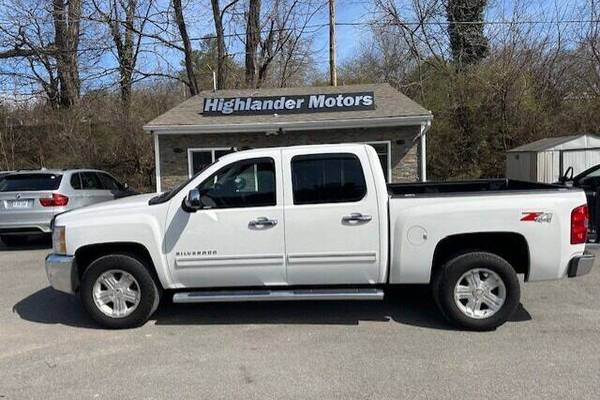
[[277, 295]]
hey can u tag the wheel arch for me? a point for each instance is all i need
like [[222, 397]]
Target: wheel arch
[[85, 255], [511, 246]]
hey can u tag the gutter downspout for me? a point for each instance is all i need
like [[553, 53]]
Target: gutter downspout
[[157, 162], [423, 145]]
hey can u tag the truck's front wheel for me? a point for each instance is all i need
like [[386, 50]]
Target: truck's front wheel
[[118, 291], [477, 290]]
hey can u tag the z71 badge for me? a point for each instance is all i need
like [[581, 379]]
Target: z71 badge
[[536, 216]]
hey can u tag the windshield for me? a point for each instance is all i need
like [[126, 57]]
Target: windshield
[[169, 194], [29, 182]]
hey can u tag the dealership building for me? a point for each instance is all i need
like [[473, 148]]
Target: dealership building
[[203, 128]]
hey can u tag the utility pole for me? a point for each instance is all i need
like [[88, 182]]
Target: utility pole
[[332, 67]]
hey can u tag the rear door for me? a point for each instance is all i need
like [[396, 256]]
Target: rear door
[[92, 188], [331, 218]]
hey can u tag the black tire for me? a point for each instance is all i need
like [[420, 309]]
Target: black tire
[[149, 290], [14, 241], [446, 279]]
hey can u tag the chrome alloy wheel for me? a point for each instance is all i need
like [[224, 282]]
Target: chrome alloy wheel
[[116, 293], [479, 293]]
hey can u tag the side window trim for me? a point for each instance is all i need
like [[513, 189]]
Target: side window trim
[[273, 163], [325, 156]]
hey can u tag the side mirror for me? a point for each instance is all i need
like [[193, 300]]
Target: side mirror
[[126, 185], [192, 202], [567, 176]]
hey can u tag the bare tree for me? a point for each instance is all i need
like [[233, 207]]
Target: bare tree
[[218, 19], [252, 42], [187, 48], [67, 19], [126, 20]]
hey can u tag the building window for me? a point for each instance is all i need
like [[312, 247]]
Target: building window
[[384, 152], [198, 159]]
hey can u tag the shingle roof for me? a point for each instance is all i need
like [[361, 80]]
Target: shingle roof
[[549, 143], [388, 103]]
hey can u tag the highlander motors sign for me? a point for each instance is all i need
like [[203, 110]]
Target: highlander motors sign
[[214, 106]]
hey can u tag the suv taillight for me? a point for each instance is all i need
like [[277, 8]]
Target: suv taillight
[[57, 200], [579, 224]]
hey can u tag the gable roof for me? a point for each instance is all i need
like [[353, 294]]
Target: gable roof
[[391, 108], [560, 143]]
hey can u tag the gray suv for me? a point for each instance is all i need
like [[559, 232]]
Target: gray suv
[[30, 199]]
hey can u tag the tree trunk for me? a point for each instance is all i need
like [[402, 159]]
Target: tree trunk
[[66, 17], [187, 46], [220, 33], [252, 42]]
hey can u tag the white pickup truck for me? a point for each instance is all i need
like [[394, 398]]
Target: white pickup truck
[[318, 223]]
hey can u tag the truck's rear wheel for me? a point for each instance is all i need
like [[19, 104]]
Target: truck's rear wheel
[[477, 290], [118, 291]]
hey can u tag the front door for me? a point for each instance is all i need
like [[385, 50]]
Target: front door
[[237, 239], [331, 219]]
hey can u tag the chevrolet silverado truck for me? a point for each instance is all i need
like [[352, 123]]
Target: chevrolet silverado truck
[[318, 223]]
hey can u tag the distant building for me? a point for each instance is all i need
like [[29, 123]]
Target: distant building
[[205, 127], [547, 159]]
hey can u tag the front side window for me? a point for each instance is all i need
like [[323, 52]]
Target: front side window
[[246, 183], [327, 178], [109, 182]]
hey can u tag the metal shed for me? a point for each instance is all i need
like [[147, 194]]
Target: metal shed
[[545, 160]]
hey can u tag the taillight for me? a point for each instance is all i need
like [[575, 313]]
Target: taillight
[[57, 200], [579, 224]]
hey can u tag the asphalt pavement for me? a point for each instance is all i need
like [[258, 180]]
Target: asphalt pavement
[[397, 349]]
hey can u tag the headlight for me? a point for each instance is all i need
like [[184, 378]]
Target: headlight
[[59, 240]]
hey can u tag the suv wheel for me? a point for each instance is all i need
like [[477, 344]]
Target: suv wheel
[[477, 291], [118, 291]]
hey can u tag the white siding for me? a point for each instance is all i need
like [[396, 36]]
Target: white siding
[[580, 160], [521, 166]]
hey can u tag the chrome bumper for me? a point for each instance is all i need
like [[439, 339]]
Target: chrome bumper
[[62, 273], [582, 265]]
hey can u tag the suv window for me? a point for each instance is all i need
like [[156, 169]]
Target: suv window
[[327, 178], [90, 181], [30, 182], [246, 183], [109, 182], [76, 181]]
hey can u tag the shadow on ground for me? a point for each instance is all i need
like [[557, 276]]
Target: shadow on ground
[[33, 243], [411, 305]]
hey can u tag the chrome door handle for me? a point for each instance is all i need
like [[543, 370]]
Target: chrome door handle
[[262, 221], [356, 217]]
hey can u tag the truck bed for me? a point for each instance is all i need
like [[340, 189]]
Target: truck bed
[[467, 187]]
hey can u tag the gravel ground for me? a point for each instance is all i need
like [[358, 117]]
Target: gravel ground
[[397, 349]]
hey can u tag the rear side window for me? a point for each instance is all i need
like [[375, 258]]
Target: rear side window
[[76, 181], [327, 178], [30, 182], [90, 181]]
